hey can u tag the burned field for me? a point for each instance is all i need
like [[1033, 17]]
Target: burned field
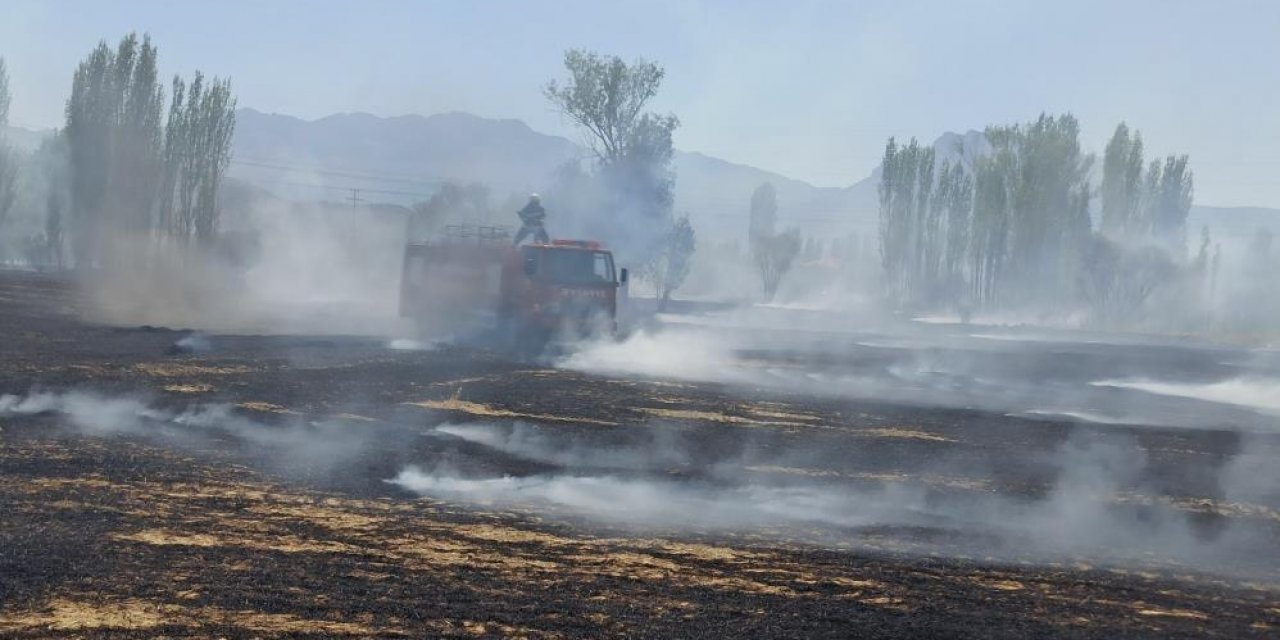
[[325, 486]]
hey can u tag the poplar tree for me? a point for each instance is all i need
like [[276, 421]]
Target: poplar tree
[[1169, 195], [675, 257], [906, 225], [197, 153], [1122, 186], [114, 138], [135, 175], [774, 258], [763, 214], [8, 158], [953, 199]]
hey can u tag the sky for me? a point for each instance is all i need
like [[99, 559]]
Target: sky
[[808, 89]]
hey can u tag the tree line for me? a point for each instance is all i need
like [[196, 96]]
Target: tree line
[[132, 172], [1009, 226]]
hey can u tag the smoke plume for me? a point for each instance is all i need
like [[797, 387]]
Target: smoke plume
[[1100, 504]]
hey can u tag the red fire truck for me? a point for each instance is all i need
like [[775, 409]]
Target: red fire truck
[[471, 277]]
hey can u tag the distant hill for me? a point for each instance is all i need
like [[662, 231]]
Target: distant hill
[[402, 159], [397, 159], [718, 192]]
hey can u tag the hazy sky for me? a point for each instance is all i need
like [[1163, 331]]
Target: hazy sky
[[808, 89]]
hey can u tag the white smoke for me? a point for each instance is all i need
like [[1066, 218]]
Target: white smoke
[[672, 353], [1256, 393], [1098, 506], [665, 504], [1076, 416], [405, 344], [652, 448], [1051, 376], [294, 444], [87, 411], [1100, 503]]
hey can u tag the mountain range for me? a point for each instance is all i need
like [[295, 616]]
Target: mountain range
[[402, 159], [358, 157]]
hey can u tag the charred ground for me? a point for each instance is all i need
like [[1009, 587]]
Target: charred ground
[[158, 530]]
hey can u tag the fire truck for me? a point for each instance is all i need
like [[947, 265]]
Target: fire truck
[[471, 278]]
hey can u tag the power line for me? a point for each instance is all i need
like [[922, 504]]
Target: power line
[[354, 198], [338, 173], [331, 187]]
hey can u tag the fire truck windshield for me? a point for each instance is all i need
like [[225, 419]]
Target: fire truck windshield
[[575, 266]]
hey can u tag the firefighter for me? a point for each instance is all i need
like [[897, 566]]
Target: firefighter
[[531, 222]]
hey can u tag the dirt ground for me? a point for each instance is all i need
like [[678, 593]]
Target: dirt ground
[[152, 530]]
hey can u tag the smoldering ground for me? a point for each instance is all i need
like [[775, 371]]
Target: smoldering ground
[[1102, 497], [1109, 495], [1099, 496], [1102, 494], [1087, 377], [262, 434]]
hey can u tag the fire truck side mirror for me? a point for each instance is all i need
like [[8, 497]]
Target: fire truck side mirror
[[622, 276], [530, 266]]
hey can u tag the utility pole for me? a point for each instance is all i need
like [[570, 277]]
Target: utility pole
[[355, 201]]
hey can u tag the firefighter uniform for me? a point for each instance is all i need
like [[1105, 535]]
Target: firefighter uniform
[[532, 219]]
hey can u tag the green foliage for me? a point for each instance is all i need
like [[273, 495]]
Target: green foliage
[[8, 158], [1050, 210], [115, 141], [773, 253], [675, 257], [133, 177], [5, 97], [1169, 195], [640, 180], [764, 214], [908, 232], [9, 161], [952, 221], [1122, 186], [606, 96], [197, 152], [991, 222], [1138, 209], [1116, 281], [44, 195], [1013, 227], [774, 256], [53, 241], [629, 193], [1012, 231]]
